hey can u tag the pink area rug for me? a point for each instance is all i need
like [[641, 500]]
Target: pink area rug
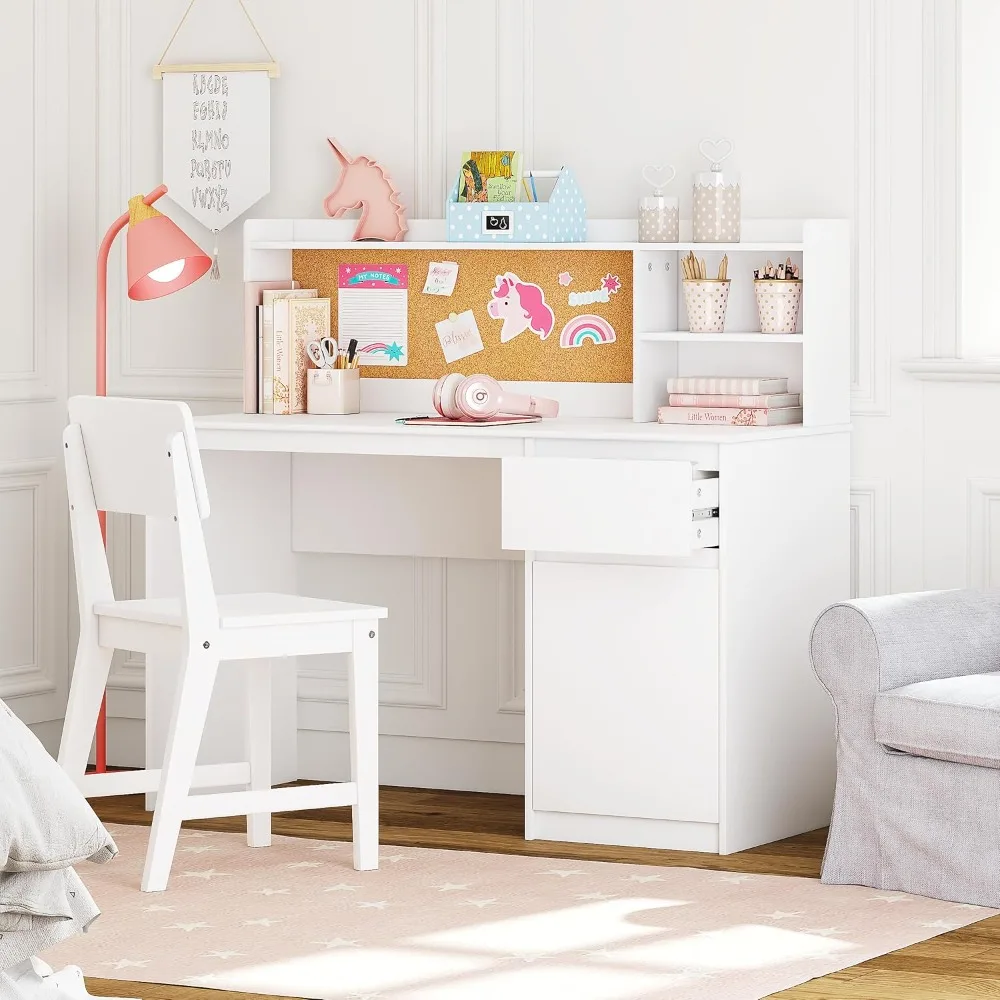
[[295, 919]]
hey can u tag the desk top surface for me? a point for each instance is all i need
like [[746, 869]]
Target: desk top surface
[[314, 433]]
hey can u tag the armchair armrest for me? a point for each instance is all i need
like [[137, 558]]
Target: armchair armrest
[[873, 644]]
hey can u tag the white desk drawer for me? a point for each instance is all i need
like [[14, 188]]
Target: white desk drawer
[[611, 506], [705, 493]]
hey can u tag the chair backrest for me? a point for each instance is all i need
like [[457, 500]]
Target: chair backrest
[[127, 443]]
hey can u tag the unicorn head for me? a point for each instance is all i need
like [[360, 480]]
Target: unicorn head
[[364, 184], [522, 306]]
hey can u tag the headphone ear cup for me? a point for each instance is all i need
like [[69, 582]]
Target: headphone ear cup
[[479, 397], [444, 395]]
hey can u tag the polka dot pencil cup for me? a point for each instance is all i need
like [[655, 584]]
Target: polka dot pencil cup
[[778, 305], [706, 300]]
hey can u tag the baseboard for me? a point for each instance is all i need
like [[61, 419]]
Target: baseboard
[[623, 831], [420, 762]]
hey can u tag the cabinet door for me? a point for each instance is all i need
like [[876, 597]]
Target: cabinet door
[[625, 691]]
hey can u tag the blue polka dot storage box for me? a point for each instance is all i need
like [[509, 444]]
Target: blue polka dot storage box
[[561, 219]]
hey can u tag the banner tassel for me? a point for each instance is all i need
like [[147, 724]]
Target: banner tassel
[[214, 274]]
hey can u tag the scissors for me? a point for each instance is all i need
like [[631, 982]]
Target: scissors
[[323, 352]]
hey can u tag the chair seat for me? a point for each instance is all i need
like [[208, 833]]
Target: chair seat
[[245, 610], [954, 718]]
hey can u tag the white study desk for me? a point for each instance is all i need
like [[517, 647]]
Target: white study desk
[[669, 700]]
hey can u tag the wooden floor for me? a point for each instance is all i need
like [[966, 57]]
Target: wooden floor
[[960, 964]]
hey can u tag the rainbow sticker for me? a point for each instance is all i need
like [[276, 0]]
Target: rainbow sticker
[[392, 351], [586, 329]]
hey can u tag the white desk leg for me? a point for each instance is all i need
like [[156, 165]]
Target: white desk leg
[[248, 538]]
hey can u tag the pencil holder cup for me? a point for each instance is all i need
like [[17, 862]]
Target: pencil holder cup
[[333, 390], [706, 301], [779, 303]]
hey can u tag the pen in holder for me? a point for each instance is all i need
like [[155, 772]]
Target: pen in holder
[[659, 214], [333, 390]]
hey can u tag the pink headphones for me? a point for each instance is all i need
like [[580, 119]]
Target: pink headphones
[[479, 397]]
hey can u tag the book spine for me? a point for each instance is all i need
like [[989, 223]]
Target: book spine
[[281, 362], [259, 367], [721, 416], [722, 385], [775, 401]]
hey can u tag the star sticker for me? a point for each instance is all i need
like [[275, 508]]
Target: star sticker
[[598, 895], [128, 963], [611, 282], [782, 914], [199, 848], [262, 922], [224, 954], [379, 905], [188, 927], [305, 864], [395, 352], [270, 892], [645, 878], [341, 887], [448, 886], [339, 943], [157, 908], [480, 903], [563, 872], [207, 874], [564, 278]]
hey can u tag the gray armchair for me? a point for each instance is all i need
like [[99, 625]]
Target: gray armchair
[[915, 682]]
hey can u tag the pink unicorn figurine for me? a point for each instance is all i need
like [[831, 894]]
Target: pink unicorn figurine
[[522, 306], [364, 184]]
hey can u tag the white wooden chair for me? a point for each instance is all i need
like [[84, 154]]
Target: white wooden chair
[[141, 457]]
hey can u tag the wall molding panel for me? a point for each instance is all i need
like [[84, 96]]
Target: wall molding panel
[[869, 537], [510, 637], [982, 505], [36, 675]]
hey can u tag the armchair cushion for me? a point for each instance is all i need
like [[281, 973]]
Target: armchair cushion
[[952, 718]]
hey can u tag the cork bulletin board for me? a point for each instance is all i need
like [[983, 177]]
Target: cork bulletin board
[[590, 340]]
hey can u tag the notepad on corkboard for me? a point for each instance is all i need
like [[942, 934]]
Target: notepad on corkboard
[[544, 337]]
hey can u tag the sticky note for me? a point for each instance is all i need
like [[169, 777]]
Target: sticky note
[[441, 277], [459, 336]]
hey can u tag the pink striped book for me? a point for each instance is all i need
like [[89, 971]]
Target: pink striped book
[[707, 416], [727, 384], [774, 401]]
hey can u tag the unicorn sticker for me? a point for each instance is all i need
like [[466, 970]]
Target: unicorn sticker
[[364, 184], [522, 306]]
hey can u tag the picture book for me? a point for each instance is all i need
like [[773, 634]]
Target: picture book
[[276, 345], [490, 175]]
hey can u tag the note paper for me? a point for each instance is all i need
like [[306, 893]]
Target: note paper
[[441, 277], [459, 336], [371, 308]]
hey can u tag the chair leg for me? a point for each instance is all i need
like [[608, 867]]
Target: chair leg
[[363, 707], [90, 678], [259, 746], [187, 723]]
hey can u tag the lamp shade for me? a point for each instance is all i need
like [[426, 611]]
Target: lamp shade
[[161, 259]]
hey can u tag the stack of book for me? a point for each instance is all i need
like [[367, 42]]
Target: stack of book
[[281, 319], [740, 402]]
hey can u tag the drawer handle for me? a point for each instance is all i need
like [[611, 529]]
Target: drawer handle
[[699, 533]]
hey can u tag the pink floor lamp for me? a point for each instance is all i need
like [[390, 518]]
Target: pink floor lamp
[[161, 260]]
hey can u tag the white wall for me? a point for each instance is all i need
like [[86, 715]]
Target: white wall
[[837, 108], [33, 343]]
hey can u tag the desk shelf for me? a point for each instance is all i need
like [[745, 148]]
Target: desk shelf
[[685, 336]]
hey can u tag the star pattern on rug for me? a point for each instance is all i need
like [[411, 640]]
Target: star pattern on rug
[[468, 914], [197, 848]]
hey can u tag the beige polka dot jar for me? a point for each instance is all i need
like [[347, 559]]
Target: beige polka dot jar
[[659, 214], [715, 197], [779, 303], [706, 300]]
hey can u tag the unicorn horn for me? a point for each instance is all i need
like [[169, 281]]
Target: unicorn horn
[[340, 154]]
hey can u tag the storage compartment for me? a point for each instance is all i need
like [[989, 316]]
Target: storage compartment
[[625, 682], [610, 506]]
